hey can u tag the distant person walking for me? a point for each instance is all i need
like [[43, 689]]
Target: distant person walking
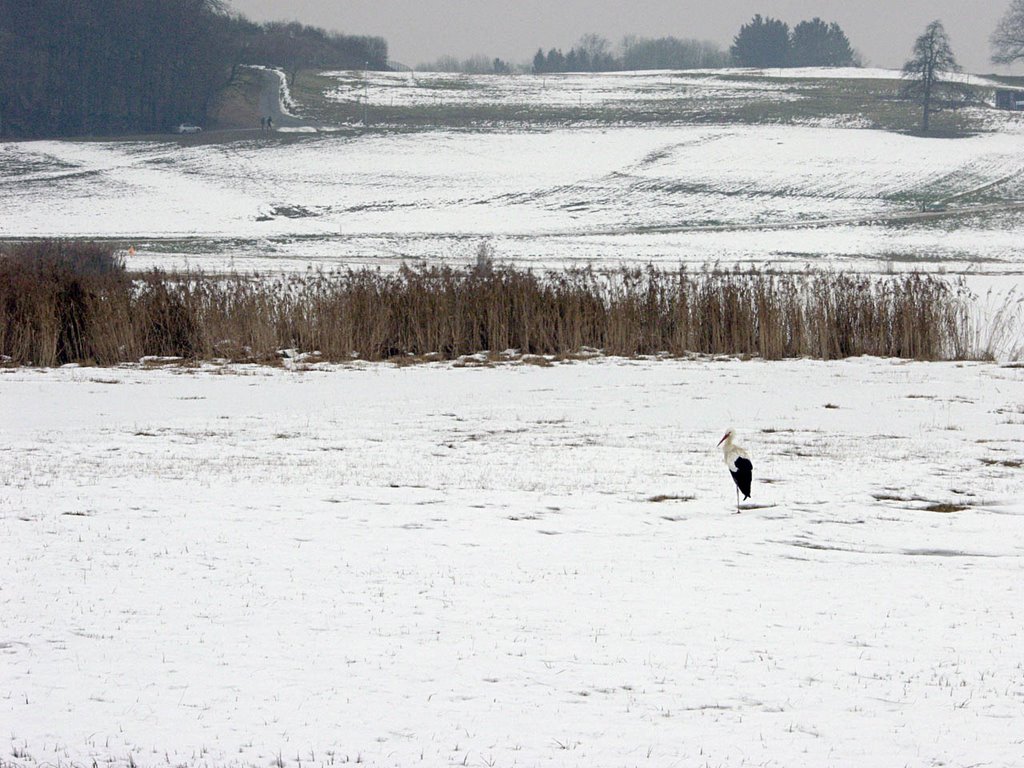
[[270, 123], [263, 123]]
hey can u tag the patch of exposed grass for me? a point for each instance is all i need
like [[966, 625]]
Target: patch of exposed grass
[[405, 361], [890, 497], [930, 506], [538, 360], [945, 508], [1008, 463]]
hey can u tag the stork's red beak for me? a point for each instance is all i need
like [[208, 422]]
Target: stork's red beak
[[723, 438]]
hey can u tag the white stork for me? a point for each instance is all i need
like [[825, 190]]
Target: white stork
[[738, 462]]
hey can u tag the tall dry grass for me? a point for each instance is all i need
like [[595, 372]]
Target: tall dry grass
[[62, 303], [70, 303]]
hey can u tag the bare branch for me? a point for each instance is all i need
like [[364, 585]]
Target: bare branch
[[1008, 38]]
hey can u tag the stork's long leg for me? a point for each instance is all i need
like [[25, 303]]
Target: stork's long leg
[[737, 501]]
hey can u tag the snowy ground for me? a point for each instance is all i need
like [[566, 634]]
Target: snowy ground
[[669, 195], [435, 565], [394, 89]]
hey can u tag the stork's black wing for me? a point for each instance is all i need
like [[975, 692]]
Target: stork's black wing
[[742, 475]]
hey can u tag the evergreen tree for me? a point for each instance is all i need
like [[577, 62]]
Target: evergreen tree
[[840, 52], [556, 61], [763, 43], [926, 74], [540, 62], [817, 44]]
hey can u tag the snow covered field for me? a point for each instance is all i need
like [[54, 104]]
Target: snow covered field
[[669, 194], [512, 566], [553, 90], [666, 185], [708, 86], [846, 73]]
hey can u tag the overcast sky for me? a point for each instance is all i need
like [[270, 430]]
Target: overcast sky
[[422, 30]]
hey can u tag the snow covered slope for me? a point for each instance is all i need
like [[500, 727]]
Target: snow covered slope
[[513, 566], [741, 166], [665, 194], [707, 86]]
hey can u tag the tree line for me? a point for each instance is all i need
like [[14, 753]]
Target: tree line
[[594, 53], [763, 42], [293, 47], [79, 67], [472, 65]]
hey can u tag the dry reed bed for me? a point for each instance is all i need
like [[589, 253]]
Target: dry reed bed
[[72, 302]]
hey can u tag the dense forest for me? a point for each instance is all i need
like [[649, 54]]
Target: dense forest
[[79, 67]]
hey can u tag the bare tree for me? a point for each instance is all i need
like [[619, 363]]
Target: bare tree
[[597, 51], [1008, 39], [640, 53], [926, 75]]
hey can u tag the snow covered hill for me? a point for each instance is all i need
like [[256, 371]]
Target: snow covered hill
[[679, 194]]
